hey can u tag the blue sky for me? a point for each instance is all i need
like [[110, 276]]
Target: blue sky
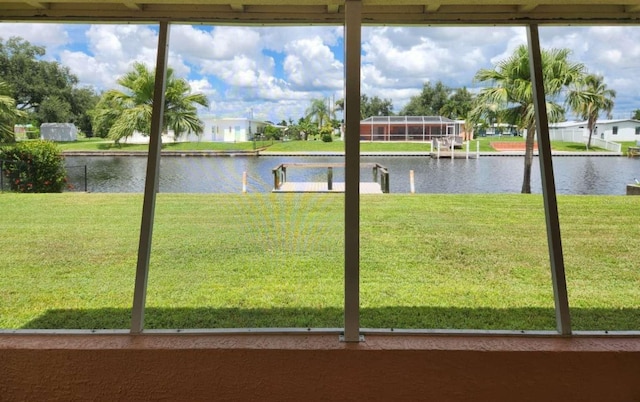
[[274, 72]]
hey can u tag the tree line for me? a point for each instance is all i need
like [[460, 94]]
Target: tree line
[[34, 90]]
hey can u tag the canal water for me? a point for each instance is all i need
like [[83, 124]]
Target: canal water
[[491, 174]]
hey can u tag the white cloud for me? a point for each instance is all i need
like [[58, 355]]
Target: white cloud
[[278, 39], [51, 36], [111, 50], [611, 51], [276, 71], [202, 86], [310, 64]]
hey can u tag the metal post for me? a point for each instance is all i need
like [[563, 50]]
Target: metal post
[[352, 49], [563, 317], [85, 178], [151, 182], [330, 178]]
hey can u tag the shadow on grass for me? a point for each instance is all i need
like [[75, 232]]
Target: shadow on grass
[[384, 317], [582, 148]]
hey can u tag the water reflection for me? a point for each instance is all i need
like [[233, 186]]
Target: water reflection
[[573, 175]]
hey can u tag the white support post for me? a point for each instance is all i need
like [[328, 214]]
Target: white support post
[[244, 182], [453, 144], [412, 185], [151, 182], [352, 50], [563, 317], [467, 149]]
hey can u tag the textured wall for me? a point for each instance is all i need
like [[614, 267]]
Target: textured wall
[[317, 367]]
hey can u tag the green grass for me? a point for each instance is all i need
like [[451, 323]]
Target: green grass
[[99, 144], [626, 145], [275, 260]]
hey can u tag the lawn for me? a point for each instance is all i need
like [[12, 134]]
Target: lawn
[[99, 144], [276, 260], [102, 144]]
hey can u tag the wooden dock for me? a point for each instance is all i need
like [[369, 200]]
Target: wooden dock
[[378, 185], [322, 187]]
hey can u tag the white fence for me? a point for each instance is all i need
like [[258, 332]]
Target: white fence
[[571, 135]]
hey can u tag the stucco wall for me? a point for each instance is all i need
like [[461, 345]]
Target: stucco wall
[[317, 367]]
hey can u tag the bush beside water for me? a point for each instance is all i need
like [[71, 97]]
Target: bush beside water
[[33, 167]]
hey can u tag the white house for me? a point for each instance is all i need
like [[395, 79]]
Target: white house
[[229, 129], [215, 130], [606, 130]]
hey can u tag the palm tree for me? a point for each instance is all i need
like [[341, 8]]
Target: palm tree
[[130, 110], [588, 97], [318, 112], [512, 95], [9, 114]]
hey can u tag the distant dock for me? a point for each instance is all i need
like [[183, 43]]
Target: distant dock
[[454, 155]]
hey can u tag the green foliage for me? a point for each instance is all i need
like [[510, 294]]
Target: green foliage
[[9, 115], [318, 112], [307, 129], [272, 133], [34, 167], [429, 102], [326, 133], [375, 106], [438, 100], [121, 113], [33, 133], [44, 88], [369, 107], [588, 97], [458, 105], [636, 114], [510, 98], [82, 101], [54, 109]]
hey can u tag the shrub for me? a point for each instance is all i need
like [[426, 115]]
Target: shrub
[[34, 167], [326, 133], [272, 133], [33, 134]]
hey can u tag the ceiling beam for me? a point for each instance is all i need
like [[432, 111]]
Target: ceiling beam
[[633, 9], [237, 7], [432, 7], [133, 6], [526, 8], [333, 8], [37, 4]]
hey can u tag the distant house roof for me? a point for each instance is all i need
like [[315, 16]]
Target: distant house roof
[[407, 119]]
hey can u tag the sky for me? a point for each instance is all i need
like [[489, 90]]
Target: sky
[[273, 73]]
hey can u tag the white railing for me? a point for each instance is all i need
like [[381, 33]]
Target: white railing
[[608, 145], [581, 136]]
